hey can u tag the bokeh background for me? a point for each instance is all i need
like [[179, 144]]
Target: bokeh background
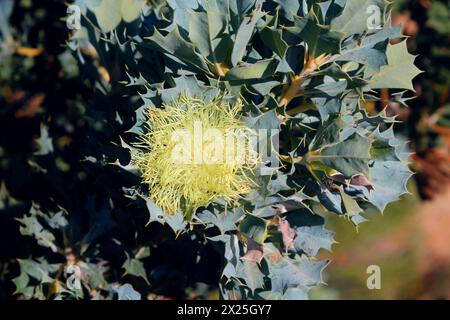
[[48, 119]]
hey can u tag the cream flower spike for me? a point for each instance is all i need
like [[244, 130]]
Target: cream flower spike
[[195, 153]]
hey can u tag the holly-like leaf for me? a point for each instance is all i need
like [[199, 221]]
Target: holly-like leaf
[[350, 157], [249, 271], [135, 267], [320, 38], [297, 293], [273, 38], [290, 8], [351, 207], [32, 227], [248, 71], [206, 29], [224, 221], [188, 86], [399, 71], [311, 236], [356, 15], [232, 254], [180, 8], [371, 51], [285, 272], [45, 142], [254, 228], [22, 285], [175, 221], [6, 200], [40, 269], [127, 292], [174, 44], [390, 172], [109, 13], [244, 34]]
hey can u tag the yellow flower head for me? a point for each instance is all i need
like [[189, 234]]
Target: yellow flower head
[[195, 153]]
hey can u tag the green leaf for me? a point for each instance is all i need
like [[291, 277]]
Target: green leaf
[[6, 200], [247, 71], [350, 205], [349, 157], [329, 133], [109, 13], [189, 86], [57, 220], [251, 274], [174, 44], [127, 292], [390, 172], [21, 283], [311, 236], [93, 274], [297, 293], [286, 273], [371, 51], [32, 227], [273, 39], [320, 39], [354, 17], [239, 9], [254, 228], [389, 180], [399, 72], [40, 270], [290, 8], [326, 97], [224, 221], [232, 254], [135, 267], [175, 221], [180, 7], [244, 34], [206, 29], [267, 120], [45, 142]]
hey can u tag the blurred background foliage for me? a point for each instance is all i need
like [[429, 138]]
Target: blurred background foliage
[[54, 116]]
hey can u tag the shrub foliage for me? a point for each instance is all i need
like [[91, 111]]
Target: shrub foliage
[[302, 71]]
